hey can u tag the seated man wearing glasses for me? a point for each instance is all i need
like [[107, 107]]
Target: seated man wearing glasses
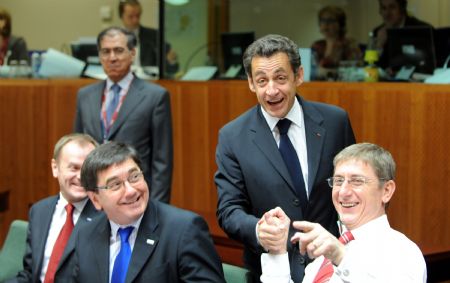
[[369, 250], [127, 109], [136, 240]]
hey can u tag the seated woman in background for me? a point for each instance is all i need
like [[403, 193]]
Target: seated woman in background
[[335, 47], [11, 47]]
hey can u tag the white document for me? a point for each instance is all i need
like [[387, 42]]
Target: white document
[[305, 55], [58, 64], [202, 73]]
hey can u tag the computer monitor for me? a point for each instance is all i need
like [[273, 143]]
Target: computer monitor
[[442, 45], [85, 51], [233, 48], [411, 46]]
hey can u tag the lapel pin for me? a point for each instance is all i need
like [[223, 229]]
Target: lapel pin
[[150, 241], [318, 134], [89, 219]]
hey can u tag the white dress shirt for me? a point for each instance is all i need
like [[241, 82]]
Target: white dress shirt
[[378, 254], [296, 134], [114, 241], [58, 220]]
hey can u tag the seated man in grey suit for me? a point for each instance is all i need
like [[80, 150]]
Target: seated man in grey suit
[[127, 109], [137, 239], [48, 218], [369, 250], [278, 153]]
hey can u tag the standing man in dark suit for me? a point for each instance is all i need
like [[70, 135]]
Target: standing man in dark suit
[[127, 109], [148, 38], [253, 176], [136, 240], [47, 217]]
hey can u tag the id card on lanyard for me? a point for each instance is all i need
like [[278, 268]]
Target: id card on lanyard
[[107, 126]]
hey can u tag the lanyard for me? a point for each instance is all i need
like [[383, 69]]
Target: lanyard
[[106, 126]]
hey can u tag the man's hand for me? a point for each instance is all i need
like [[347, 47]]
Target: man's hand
[[317, 241], [273, 230]]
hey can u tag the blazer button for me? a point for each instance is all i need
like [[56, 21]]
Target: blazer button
[[301, 260], [296, 202]]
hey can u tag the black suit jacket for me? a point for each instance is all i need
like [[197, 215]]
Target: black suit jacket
[[40, 218], [149, 49], [172, 245], [252, 177], [144, 122]]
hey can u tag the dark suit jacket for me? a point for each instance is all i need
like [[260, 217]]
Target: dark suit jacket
[[18, 48], [40, 218], [144, 121], [252, 177], [172, 245], [149, 49]]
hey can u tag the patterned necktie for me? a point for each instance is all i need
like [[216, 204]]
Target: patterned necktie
[[60, 244], [292, 163], [326, 269], [123, 258], [113, 103]]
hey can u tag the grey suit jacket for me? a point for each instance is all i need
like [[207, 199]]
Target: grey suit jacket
[[172, 245], [144, 122], [252, 177], [40, 218]]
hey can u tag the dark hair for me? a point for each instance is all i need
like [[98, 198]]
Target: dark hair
[[111, 31], [337, 13], [81, 139], [402, 3], [123, 3], [4, 15], [269, 45], [102, 158]]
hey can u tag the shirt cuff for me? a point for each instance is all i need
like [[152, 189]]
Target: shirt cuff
[[275, 268]]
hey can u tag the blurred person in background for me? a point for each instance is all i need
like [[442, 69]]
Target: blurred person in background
[[11, 47]]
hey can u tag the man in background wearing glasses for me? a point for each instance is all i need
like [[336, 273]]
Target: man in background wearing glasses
[[136, 240], [362, 186], [127, 109]]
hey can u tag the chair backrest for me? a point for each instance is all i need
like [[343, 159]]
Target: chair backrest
[[13, 250], [234, 274]]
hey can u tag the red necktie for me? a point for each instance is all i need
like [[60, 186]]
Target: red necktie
[[326, 269], [60, 244]]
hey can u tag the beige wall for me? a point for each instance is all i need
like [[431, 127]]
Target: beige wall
[[55, 23]]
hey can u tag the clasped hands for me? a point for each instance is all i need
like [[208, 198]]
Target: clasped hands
[[273, 232]]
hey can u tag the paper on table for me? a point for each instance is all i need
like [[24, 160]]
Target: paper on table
[[58, 64], [202, 73]]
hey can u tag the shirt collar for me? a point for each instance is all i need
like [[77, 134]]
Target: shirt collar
[[124, 83], [371, 228], [115, 227], [78, 206], [295, 115]]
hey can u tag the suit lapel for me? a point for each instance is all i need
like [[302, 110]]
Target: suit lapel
[[46, 214], [100, 243], [146, 242], [132, 100], [263, 139], [315, 137], [85, 217], [95, 108]]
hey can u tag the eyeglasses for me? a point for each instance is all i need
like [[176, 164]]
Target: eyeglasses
[[355, 182], [327, 21], [106, 52], [115, 185]]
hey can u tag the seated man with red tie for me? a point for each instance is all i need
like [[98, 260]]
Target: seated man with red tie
[[53, 220], [369, 250], [137, 239]]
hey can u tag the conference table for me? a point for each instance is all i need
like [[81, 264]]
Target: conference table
[[408, 119]]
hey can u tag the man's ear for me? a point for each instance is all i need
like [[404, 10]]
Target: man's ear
[[250, 84], [94, 197], [54, 166], [388, 191]]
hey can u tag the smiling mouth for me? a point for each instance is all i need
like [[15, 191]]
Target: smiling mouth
[[132, 202], [348, 204], [275, 102]]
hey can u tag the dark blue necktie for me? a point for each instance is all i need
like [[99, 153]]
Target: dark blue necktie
[[123, 258], [113, 103], [292, 163]]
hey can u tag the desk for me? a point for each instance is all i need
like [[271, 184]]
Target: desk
[[410, 120]]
